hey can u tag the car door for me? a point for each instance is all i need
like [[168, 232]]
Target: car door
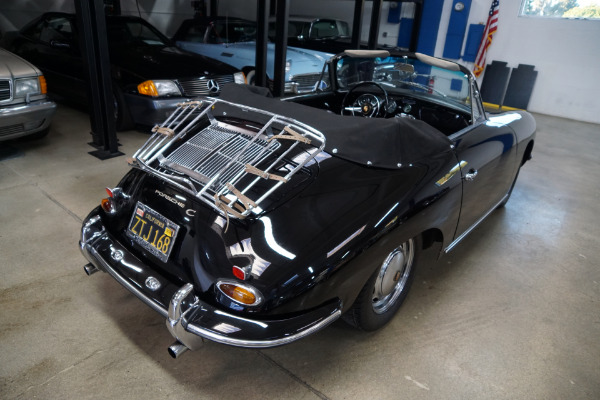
[[487, 155], [52, 45]]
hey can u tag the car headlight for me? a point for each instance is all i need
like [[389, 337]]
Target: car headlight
[[288, 66], [239, 77], [159, 88], [25, 86]]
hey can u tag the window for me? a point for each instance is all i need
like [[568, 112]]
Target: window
[[589, 9], [52, 29]]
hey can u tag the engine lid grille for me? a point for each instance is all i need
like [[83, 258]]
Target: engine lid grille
[[213, 148]]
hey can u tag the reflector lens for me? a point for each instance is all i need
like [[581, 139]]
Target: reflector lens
[[109, 191], [239, 273], [238, 293], [107, 205]]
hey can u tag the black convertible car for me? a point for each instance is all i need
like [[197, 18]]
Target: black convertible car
[[254, 222], [150, 76]]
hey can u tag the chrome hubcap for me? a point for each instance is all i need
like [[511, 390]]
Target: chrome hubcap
[[392, 277]]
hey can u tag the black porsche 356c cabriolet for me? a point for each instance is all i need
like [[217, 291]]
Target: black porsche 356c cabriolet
[[254, 222]]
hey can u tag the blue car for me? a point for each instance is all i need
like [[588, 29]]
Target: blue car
[[233, 41]]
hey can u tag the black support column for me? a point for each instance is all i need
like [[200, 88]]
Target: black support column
[[282, 18], [262, 22], [374, 27], [214, 8], [94, 50], [359, 7], [416, 29]]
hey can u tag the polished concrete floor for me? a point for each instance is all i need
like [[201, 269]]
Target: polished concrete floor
[[512, 313]]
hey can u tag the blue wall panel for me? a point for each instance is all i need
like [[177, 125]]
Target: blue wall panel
[[405, 32], [430, 24], [394, 13], [473, 41], [456, 30]]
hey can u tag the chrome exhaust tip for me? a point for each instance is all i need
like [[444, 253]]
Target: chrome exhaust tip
[[177, 349], [90, 269]]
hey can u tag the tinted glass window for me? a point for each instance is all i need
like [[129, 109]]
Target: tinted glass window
[[327, 29], [132, 32], [231, 32], [56, 29]]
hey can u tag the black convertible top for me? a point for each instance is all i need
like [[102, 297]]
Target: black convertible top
[[378, 142]]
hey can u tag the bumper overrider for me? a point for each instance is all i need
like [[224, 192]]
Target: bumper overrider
[[189, 319]]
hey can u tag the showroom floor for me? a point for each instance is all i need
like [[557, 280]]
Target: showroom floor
[[512, 313]]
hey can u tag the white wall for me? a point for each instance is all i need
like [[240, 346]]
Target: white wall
[[166, 15], [16, 13], [565, 53]]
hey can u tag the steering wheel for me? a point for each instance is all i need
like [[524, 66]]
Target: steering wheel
[[368, 105]]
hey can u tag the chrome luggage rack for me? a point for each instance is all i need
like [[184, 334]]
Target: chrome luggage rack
[[217, 156]]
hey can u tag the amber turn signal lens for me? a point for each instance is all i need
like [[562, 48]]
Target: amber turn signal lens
[[148, 88], [107, 205], [238, 293], [43, 85]]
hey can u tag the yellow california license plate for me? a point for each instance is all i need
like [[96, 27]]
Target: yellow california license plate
[[152, 231]]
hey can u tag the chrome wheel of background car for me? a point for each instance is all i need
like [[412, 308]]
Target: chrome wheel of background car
[[392, 277], [384, 292], [366, 104]]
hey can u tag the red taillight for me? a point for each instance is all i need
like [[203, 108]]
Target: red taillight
[[242, 273], [239, 273], [110, 192]]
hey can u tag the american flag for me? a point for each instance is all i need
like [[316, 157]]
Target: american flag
[[490, 29]]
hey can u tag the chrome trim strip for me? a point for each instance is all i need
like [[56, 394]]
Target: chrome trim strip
[[201, 332], [465, 233]]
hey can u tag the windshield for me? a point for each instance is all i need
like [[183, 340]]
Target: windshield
[[324, 28], [124, 32], [406, 75], [231, 31]]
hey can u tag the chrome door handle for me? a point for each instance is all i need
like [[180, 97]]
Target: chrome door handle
[[471, 175]]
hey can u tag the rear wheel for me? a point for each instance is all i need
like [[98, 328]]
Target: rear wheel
[[384, 292]]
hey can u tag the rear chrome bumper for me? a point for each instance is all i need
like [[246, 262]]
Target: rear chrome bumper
[[189, 319]]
